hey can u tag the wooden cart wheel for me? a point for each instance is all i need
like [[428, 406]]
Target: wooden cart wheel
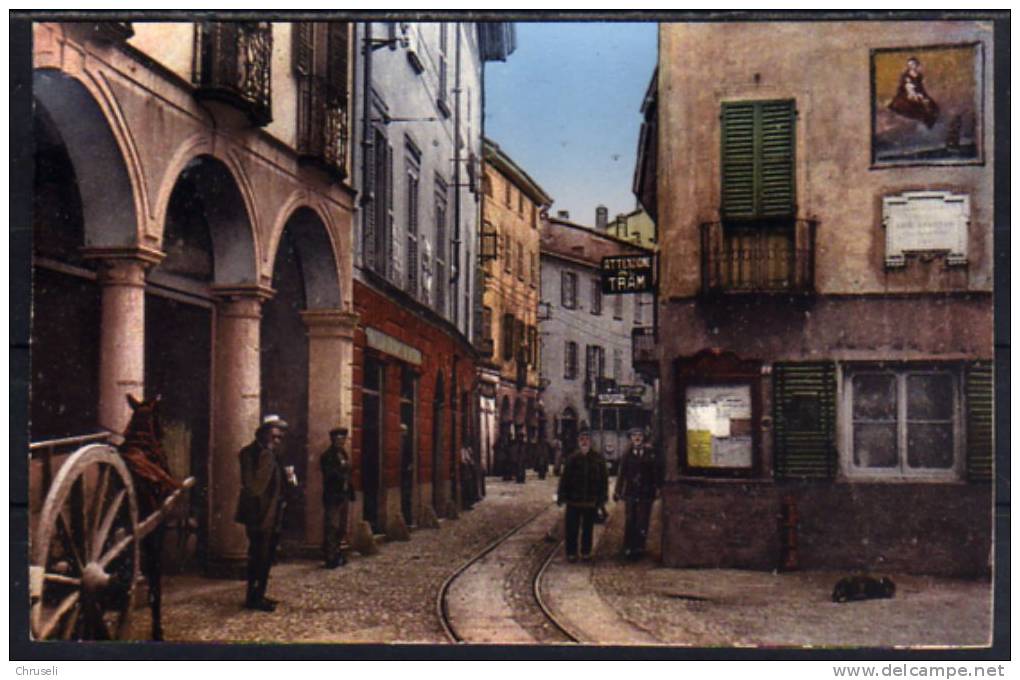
[[85, 554]]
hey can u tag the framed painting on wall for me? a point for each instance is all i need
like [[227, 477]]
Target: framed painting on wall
[[926, 105]]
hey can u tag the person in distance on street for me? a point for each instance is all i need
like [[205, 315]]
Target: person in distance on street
[[337, 492], [583, 488]]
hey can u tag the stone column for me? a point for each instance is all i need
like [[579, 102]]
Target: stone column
[[235, 417], [330, 353], [121, 275]]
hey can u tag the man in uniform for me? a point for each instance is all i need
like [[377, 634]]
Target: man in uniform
[[337, 491], [260, 506], [638, 485], [584, 488]]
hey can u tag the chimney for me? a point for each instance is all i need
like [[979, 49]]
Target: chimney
[[601, 217], [563, 214]]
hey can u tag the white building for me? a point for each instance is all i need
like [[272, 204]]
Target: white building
[[587, 371]]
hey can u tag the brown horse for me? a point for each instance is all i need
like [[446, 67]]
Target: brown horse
[[142, 451]]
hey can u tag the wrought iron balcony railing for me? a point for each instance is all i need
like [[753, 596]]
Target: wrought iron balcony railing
[[232, 65], [775, 257], [323, 125]]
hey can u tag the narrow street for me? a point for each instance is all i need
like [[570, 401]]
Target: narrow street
[[392, 597], [389, 597]]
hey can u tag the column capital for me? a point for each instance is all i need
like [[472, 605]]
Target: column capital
[[242, 301], [329, 322], [139, 253], [123, 266], [242, 291]]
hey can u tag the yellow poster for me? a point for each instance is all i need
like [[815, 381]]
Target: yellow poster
[[699, 448]]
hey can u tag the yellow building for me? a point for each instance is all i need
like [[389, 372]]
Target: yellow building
[[636, 226], [511, 206]]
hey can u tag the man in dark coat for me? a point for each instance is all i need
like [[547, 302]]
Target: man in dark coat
[[520, 456], [337, 492], [638, 485], [260, 506], [584, 488], [542, 457]]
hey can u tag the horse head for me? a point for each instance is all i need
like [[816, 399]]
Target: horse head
[[145, 423]]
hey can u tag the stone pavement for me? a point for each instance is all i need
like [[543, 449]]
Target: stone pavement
[[391, 596], [388, 597], [737, 608]]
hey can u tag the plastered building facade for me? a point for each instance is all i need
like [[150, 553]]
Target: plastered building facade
[[826, 315]]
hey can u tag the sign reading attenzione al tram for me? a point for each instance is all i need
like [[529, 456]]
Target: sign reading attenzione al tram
[[627, 274]]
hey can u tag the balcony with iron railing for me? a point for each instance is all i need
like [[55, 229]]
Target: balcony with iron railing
[[232, 66], [323, 126], [758, 258]]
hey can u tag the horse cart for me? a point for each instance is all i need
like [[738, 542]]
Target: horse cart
[[88, 541]]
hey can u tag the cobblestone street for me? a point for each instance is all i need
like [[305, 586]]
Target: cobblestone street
[[389, 597], [742, 608]]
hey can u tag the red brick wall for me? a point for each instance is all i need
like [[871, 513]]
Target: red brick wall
[[439, 347]]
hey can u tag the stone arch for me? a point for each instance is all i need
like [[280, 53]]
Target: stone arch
[[109, 195], [312, 240], [210, 185]]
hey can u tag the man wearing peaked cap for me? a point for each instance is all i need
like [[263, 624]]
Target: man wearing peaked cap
[[638, 485], [337, 492]]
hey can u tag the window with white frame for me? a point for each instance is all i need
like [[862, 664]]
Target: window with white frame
[[902, 421]]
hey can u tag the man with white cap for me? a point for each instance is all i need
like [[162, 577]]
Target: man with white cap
[[261, 503]]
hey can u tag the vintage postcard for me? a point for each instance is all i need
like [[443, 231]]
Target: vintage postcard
[[667, 333]]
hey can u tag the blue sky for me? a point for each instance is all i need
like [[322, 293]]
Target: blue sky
[[566, 107]]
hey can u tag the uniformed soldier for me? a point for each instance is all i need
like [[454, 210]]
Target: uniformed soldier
[[638, 486], [337, 492], [261, 503], [584, 488]]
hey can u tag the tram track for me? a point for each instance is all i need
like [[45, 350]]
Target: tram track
[[510, 571]]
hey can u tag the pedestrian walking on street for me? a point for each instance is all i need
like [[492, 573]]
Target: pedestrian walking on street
[[260, 508], [638, 486], [505, 453], [337, 493], [584, 488], [557, 455], [468, 484], [520, 457], [542, 458]]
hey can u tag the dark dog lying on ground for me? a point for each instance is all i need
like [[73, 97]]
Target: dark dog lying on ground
[[853, 588]]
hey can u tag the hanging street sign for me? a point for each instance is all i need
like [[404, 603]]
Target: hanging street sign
[[622, 274]]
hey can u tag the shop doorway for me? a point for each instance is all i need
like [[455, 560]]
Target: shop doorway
[[371, 442], [408, 442]]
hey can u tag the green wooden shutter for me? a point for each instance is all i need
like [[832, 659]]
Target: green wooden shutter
[[758, 151], [776, 194], [738, 160], [980, 421], [804, 401]]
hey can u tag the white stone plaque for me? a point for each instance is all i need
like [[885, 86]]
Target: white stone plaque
[[925, 222]]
